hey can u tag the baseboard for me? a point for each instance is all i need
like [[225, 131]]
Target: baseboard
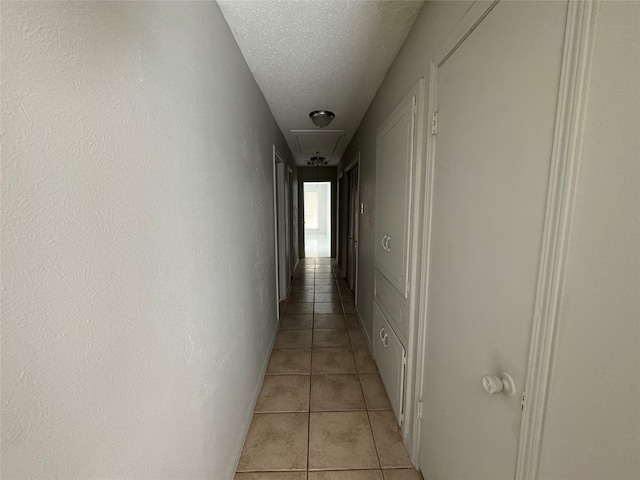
[[256, 392], [364, 330]]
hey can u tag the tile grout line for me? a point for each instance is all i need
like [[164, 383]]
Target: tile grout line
[[313, 321]]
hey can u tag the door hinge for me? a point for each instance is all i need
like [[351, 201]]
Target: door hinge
[[407, 286], [434, 123], [522, 402], [419, 410]]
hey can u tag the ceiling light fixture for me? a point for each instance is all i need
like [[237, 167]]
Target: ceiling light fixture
[[322, 118], [317, 161]]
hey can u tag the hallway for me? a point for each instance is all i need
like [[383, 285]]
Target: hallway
[[481, 162], [322, 408]]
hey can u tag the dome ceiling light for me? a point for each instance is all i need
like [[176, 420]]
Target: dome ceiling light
[[322, 118]]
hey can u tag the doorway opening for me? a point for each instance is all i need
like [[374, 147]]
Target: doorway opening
[[317, 219]]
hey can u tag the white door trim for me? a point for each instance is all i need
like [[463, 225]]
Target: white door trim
[[352, 164], [277, 158], [574, 80], [581, 17]]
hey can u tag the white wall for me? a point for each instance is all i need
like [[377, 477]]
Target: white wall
[[137, 234], [592, 430]]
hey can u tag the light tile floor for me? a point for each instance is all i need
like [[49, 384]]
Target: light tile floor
[[322, 413]]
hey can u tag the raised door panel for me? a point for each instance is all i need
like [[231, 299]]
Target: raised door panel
[[394, 306], [389, 355], [394, 164]]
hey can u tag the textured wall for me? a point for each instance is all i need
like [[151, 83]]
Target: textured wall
[[592, 428], [137, 240]]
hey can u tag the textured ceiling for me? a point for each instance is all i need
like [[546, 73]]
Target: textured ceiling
[[319, 55]]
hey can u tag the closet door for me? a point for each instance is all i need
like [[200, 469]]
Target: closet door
[[393, 193], [390, 357]]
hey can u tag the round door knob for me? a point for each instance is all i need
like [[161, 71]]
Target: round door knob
[[503, 382], [492, 384]]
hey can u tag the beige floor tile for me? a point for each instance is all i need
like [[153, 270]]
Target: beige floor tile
[[336, 392], [347, 475], [375, 395], [335, 307], [289, 361], [331, 338], [296, 322], [284, 393], [276, 441], [301, 297], [326, 297], [271, 476], [402, 474], [348, 307], [325, 281], [298, 308], [326, 288], [302, 289], [352, 320], [324, 273], [293, 339], [341, 440], [333, 360], [389, 444], [364, 360], [357, 337], [329, 320]]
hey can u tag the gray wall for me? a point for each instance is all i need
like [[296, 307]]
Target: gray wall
[[138, 293], [592, 427]]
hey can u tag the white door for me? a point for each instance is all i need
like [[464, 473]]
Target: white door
[[354, 216], [496, 101], [390, 358], [393, 179]]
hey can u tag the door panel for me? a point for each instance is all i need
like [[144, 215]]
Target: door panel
[[389, 355], [496, 112], [394, 162]]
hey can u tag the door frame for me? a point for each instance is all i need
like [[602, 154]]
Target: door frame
[[279, 235], [330, 212], [572, 93], [291, 261], [351, 166]]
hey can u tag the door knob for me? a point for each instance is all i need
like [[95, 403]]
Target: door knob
[[384, 241], [503, 382]]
